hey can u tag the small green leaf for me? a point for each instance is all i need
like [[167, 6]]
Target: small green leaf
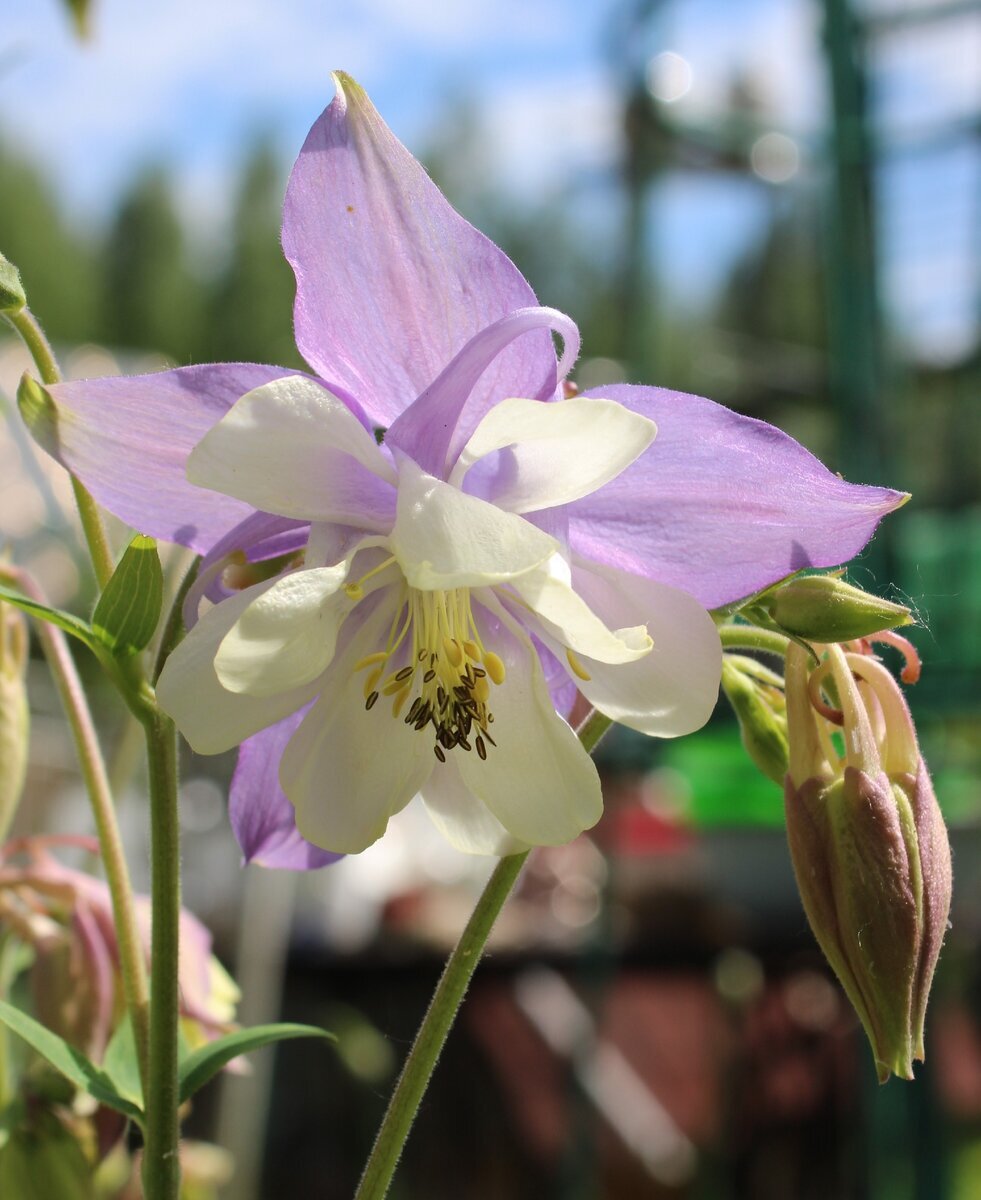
[[71, 1063], [121, 1063], [129, 607], [12, 298], [199, 1066], [54, 616]]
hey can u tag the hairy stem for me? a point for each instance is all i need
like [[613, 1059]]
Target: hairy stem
[[443, 1007], [751, 637], [161, 1162]]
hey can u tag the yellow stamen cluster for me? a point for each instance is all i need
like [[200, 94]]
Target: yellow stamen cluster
[[442, 666]]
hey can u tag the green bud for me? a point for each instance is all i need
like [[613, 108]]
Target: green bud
[[869, 848], [824, 608], [760, 708], [14, 713], [12, 298]]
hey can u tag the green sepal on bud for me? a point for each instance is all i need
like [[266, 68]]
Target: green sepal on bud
[[14, 713], [757, 699], [12, 298], [824, 608]]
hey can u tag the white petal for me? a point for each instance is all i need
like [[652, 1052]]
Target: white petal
[[537, 781], [556, 452], [211, 718], [570, 620], [461, 818], [445, 539], [670, 691], [287, 636], [293, 448], [346, 770]]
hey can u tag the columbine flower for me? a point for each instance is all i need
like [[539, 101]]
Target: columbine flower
[[499, 549], [868, 843]]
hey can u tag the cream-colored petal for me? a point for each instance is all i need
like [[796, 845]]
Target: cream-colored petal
[[293, 448], [445, 539], [347, 770], [670, 691], [463, 820], [210, 717], [537, 781], [557, 452], [569, 619]]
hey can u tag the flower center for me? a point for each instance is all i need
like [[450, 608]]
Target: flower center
[[434, 655]]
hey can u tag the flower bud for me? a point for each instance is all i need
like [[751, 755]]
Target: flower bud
[[14, 712], [12, 298], [868, 845], [824, 608], [757, 699]]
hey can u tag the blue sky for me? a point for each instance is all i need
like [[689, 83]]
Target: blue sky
[[189, 81]]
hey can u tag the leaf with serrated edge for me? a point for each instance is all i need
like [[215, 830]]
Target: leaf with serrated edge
[[203, 1063]]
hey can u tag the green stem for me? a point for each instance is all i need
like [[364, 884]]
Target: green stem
[[132, 964], [161, 1163], [443, 1007], [33, 338], [751, 637]]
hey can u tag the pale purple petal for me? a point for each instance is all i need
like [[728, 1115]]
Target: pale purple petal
[[262, 818], [391, 281], [128, 440], [436, 427], [721, 505]]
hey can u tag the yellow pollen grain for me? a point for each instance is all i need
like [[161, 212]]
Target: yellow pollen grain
[[577, 668], [473, 650], [495, 667], [354, 591], [400, 698], [481, 689]]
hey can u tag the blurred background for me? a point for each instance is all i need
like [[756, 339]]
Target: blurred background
[[775, 203]]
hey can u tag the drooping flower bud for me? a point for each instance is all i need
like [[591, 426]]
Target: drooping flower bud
[[868, 844], [14, 712], [756, 696], [824, 608]]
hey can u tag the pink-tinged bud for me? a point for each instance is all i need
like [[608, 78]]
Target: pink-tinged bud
[[66, 917], [868, 844]]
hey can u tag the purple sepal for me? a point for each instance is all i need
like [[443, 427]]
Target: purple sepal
[[261, 816]]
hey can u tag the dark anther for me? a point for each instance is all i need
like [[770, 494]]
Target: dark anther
[[487, 735], [481, 748], [370, 702], [404, 673], [479, 672], [429, 676], [439, 754]]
